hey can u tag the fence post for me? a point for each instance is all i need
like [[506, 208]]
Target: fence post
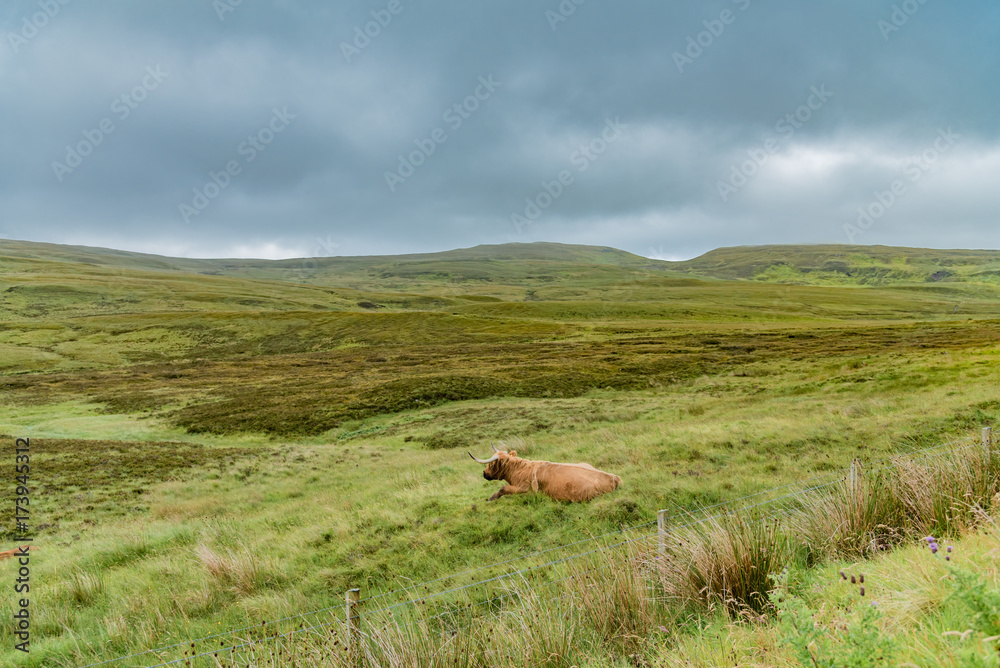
[[661, 532], [988, 440], [353, 623], [855, 471]]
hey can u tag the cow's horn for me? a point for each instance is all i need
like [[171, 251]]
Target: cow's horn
[[494, 447], [484, 461]]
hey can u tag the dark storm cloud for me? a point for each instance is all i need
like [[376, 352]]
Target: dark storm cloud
[[738, 121]]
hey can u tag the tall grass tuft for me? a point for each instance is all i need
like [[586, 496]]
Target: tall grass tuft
[[724, 560], [542, 631], [613, 597], [84, 587], [241, 571], [948, 496], [855, 519]]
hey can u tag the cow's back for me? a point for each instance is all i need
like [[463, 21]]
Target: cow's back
[[574, 482]]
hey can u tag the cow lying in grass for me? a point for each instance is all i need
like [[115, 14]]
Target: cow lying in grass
[[563, 482]]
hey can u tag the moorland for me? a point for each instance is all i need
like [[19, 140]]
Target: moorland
[[220, 442]]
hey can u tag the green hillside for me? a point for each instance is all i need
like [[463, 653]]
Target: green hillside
[[517, 262], [542, 263], [846, 265]]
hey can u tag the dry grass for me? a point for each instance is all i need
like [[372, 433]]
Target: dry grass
[[725, 560], [241, 570], [188, 509], [948, 497], [943, 495], [851, 520], [84, 587], [614, 598]]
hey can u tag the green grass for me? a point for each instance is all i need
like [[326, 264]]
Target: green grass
[[848, 265], [290, 443], [737, 589]]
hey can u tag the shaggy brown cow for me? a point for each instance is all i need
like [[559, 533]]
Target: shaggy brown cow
[[563, 482]]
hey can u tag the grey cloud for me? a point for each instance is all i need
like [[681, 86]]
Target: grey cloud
[[657, 187]]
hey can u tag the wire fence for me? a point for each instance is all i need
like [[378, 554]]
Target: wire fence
[[454, 605]]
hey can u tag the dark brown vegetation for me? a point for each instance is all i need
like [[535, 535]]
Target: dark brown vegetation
[[297, 392]]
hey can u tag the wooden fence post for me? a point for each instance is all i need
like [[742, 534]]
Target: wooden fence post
[[855, 472], [353, 624], [661, 532], [988, 440]]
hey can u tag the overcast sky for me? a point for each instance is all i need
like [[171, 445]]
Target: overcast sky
[[288, 128]]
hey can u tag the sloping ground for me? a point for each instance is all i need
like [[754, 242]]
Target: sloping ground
[[34, 290], [541, 264], [46, 279], [515, 261], [101, 257], [846, 265]]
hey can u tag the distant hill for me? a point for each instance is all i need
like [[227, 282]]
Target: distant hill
[[102, 257], [514, 263], [40, 280], [543, 263], [845, 265], [505, 262], [519, 252]]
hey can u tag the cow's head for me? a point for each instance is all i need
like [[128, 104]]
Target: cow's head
[[495, 464]]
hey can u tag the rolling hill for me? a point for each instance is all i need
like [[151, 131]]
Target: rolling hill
[[846, 265], [543, 263]]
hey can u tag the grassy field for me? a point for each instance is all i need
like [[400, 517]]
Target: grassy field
[[221, 442], [895, 568]]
